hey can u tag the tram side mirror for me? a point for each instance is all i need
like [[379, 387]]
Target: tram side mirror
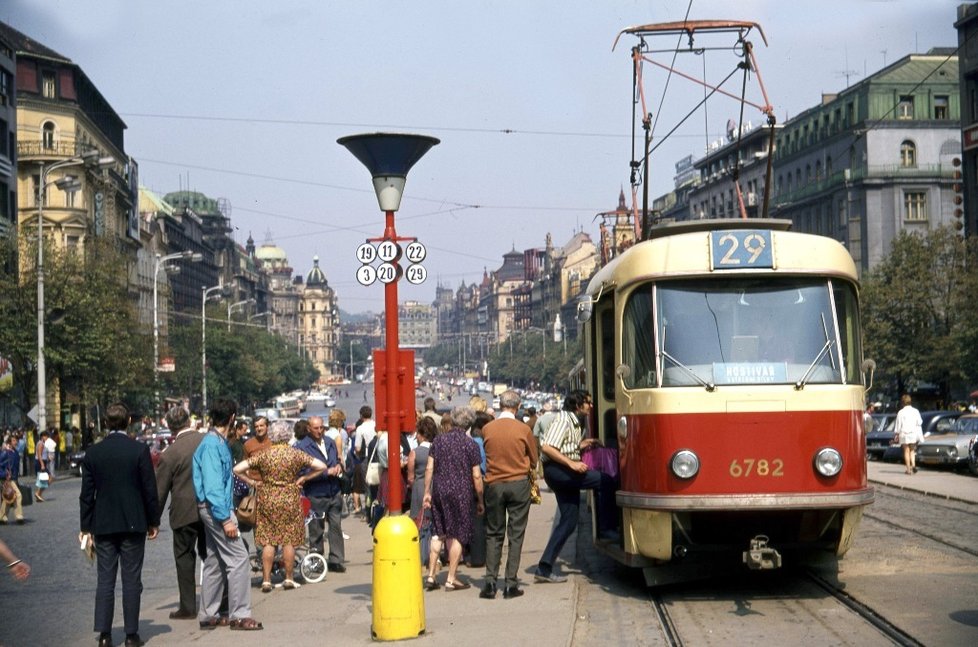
[[868, 368], [623, 371], [584, 308]]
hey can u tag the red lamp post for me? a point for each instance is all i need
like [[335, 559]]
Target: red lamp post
[[389, 157]]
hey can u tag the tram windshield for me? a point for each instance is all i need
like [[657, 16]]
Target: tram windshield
[[740, 331]]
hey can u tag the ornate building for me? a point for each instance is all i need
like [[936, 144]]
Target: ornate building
[[417, 324], [319, 324], [282, 300], [60, 116]]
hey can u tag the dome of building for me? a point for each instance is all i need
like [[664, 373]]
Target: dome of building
[[270, 252], [315, 278]]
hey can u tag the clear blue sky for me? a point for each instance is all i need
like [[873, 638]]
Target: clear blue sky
[[245, 99]]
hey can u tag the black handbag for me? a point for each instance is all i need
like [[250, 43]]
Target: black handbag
[[26, 495]]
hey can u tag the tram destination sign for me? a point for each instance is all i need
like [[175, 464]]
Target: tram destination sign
[[741, 249]]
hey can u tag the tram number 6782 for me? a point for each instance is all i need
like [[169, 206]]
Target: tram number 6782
[[759, 467]]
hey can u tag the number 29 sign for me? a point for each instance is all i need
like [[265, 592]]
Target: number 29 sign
[[389, 253]]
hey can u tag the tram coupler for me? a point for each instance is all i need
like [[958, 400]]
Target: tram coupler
[[760, 556]]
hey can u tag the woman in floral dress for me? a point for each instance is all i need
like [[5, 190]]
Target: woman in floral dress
[[452, 480], [279, 519]]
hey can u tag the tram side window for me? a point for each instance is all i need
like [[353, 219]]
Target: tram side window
[[847, 311], [638, 341], [608, 352]]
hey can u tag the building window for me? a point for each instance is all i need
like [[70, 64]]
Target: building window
[[5, 214], [905, 107], [5, 86], [908, 154], [915, 205], [941, 107], [70, 199], [47, 85], [47, 135]]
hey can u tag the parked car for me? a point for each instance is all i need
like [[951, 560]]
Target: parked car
[[75, 462], [880, 436], [935, 423], [952, 447]]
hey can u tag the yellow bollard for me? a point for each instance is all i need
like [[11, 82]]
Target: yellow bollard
[[398, 598]]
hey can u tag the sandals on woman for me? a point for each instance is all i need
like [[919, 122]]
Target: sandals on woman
[[457, 585], [430, 584], [288, 585], [246, 624], [266, 587]]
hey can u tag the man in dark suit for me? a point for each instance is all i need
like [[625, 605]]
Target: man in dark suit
[[324, 496], [175, 476], [120, 508]]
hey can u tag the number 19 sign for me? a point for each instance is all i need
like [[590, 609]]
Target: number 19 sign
[[389, 252]]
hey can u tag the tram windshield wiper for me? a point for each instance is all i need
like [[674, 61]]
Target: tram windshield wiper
[[709, 386], [800, 384]]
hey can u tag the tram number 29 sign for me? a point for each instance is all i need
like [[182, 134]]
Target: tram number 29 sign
[[389, 253], [741, 248]]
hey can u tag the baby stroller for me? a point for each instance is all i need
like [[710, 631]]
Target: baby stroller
[[310, 565]]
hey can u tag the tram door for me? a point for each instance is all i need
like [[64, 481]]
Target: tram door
[[602, 364]]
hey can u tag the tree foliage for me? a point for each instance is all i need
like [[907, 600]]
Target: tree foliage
[[247, 363], [92, 341], [918, 313]]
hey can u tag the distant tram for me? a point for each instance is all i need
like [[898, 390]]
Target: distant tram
[[725, 361]]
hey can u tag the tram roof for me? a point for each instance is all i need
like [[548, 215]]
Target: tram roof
[[683, 250]]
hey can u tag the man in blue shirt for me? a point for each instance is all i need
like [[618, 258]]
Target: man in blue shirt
[[324, 495], [226, 552], [9, 467]]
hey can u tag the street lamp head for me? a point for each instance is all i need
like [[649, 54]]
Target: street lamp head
[[68, 183], [388, 157], [196, 257], [92, 158]]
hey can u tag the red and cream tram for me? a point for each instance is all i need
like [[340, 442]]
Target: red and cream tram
[[724, 357]]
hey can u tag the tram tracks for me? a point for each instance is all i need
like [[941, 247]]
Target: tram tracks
[[804, 608], [670, 632], [884, 626], [921, 533]]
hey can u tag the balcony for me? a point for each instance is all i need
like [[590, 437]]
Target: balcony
[[35, 150], [929, 172]]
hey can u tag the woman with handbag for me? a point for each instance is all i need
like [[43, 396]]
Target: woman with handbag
[[43, 463], [278, 487]]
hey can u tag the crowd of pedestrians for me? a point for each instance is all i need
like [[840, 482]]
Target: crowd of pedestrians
[[468, 473]]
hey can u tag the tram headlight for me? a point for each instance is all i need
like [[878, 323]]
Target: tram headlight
[[685, 464], [828, 462]]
